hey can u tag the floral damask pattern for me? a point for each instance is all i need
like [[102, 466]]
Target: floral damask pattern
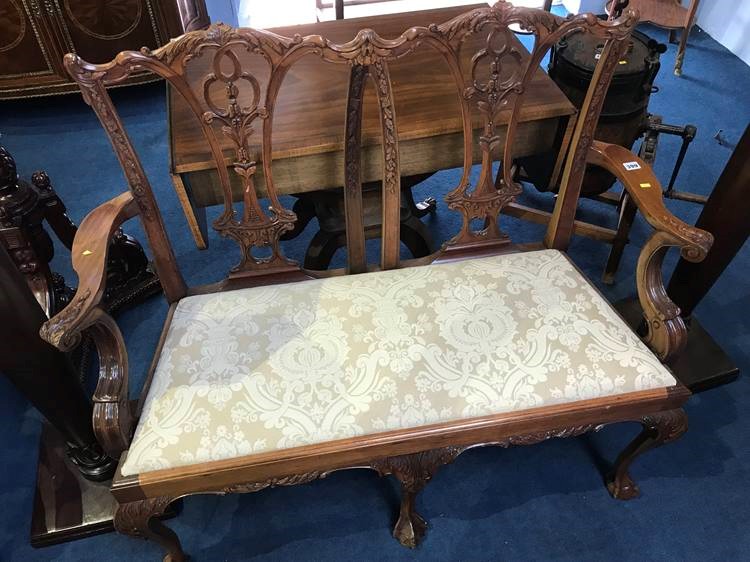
[[267, 368]]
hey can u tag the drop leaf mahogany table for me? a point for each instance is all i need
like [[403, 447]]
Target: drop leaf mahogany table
[[278, 375], [308, 134]]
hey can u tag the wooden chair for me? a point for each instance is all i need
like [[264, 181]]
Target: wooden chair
[[277, 376], [672, 15]]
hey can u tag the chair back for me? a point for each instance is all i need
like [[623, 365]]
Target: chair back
[[231, 102]]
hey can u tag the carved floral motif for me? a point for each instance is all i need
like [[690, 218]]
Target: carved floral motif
[[387, 118], [353, 129], [291, 480], [96, 95], [256, 229], [699, 241], [132, 518], [416, 470]]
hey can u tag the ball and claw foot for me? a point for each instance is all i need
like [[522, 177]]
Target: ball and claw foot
[[623, 488], [413, 471], [410, 529]]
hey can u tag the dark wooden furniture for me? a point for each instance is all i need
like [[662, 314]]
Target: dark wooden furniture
[[45, 376], [308, 147], [35, 34], [329, 208], [72, 497], [726, 216], [496, 87], [26, 208]]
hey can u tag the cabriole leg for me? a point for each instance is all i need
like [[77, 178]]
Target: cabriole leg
[[410, 527], [413, 472], [138, 519], [659, 428]]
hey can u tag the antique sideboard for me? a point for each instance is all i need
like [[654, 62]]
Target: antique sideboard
[[36, 34]]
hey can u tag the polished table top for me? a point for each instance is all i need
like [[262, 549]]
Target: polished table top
[[308, 130]]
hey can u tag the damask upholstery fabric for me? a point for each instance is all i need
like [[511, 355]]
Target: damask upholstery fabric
[[268, 368]]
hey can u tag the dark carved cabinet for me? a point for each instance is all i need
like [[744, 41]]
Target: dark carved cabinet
[[35, 34]]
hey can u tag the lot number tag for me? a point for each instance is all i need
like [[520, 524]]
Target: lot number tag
[[630, 166]]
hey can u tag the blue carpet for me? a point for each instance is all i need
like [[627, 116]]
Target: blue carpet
[[535, 503]]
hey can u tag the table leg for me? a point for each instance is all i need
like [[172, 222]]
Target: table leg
[[195, 215], [628, 211], [684, 37], [416, 237], [423, 208], [305, 211], [322, 248], [681, 52]]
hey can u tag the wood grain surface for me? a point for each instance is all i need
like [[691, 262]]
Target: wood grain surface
[[308, 136]]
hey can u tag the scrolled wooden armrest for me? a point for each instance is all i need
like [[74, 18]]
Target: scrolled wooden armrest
[[667, 334], [112, 420], [89, 255]]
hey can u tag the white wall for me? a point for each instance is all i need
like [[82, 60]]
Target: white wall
[[727, 21], [223, 11]]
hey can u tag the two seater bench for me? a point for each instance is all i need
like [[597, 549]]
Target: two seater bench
[[277, 375]]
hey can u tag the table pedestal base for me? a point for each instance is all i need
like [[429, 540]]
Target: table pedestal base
[[328, 207], [66, 505]]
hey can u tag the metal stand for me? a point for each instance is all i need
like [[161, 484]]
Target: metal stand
[[688, 132], [626, 208]]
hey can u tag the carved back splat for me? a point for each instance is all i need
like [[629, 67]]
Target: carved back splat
[[494, 85]]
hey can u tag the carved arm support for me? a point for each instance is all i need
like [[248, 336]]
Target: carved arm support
[[666, 333], [112, 420]]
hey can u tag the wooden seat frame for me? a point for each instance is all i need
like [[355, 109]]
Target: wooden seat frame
[[411, 455]]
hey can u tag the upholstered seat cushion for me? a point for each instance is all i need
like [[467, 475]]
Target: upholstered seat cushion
[[274, 367]]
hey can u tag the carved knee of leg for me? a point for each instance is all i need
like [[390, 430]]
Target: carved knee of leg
[[659, 428], [138, 519]]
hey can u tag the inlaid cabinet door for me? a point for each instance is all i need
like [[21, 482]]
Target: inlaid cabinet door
[[99, 29], [25, 50], [36, 34]]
